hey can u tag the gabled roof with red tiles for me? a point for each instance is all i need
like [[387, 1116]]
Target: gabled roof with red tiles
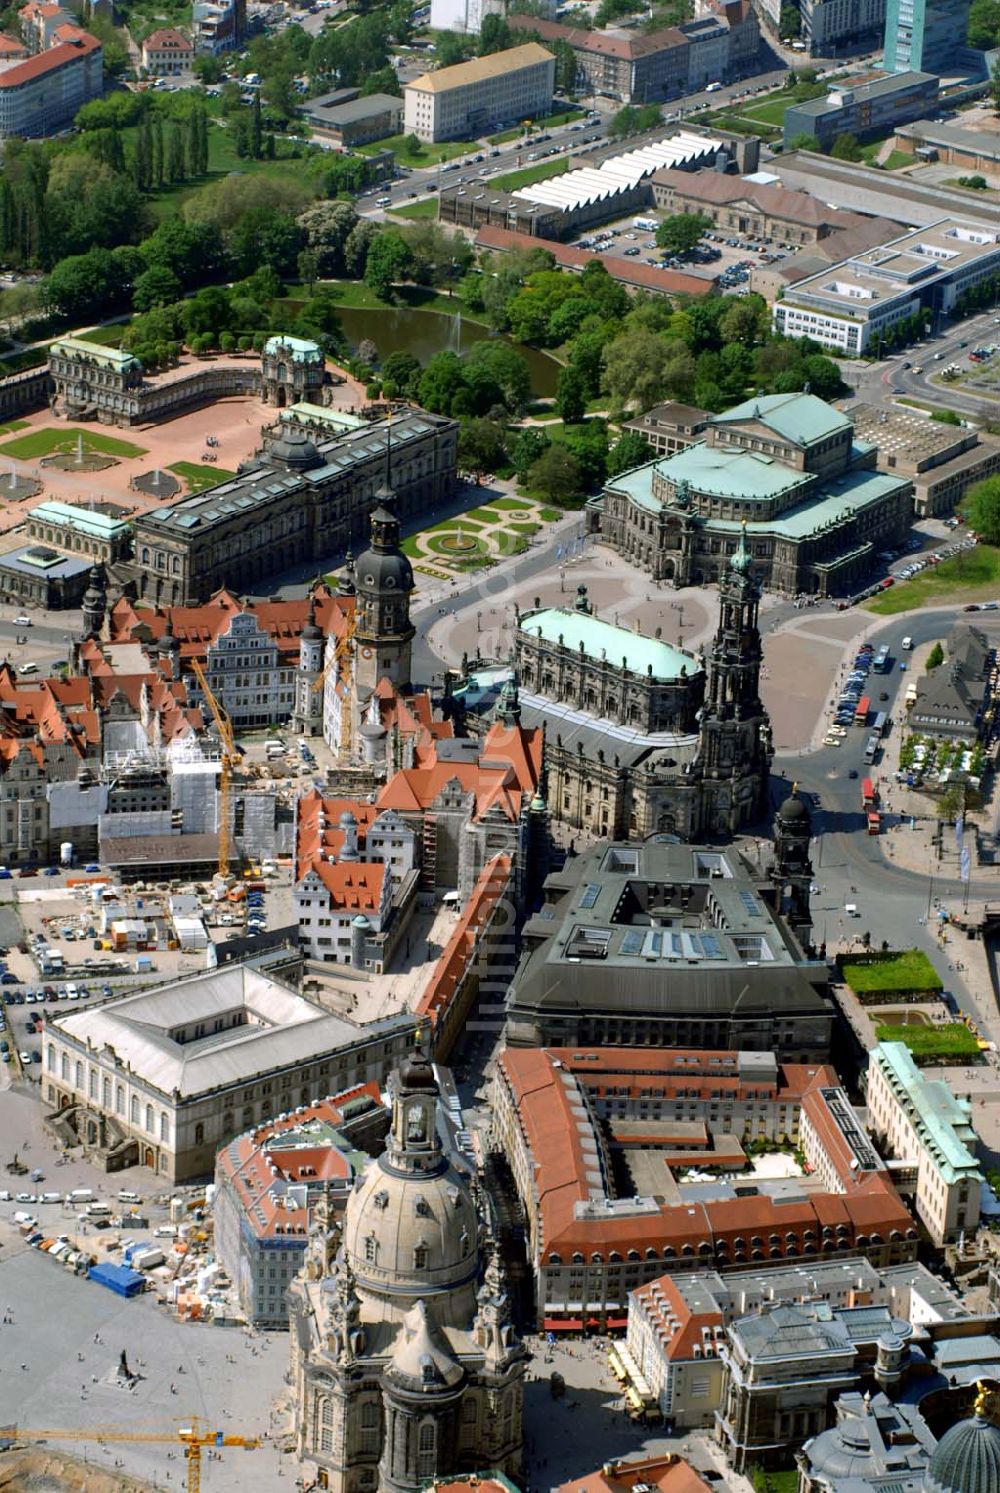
[[668, 1474], [197, 627], [411, 715], [246, 1163], [61, 55], [562, 1145], [168, 38], [318, 834], [37, 10], [494, 880], [11, 46], [508, 768], [353, 886], [677, 1326]]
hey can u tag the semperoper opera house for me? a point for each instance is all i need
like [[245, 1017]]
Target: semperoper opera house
[[817, 510]]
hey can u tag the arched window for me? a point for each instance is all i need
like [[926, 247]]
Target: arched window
[[426, 1456], [164, 1128], [106, 1093], [420, 1257], [324, 1424], [78, 1071], [149, 1119], [199, 1134]]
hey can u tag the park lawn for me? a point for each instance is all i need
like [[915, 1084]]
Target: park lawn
[[49, 442], [953, 1041], [775, 1481], [511, 181], [222, 160], [11, 426], [199, 475], [550, 515], [909, 970], [896, 160], [484, 515], [427, 155], [524, 528], [509, 504], [770, 111], [969, 569], [356, 294], [425, 209], [106, 336]]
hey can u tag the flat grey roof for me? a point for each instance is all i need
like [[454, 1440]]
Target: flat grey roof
[[357, 109], [863, 93], [61, 567]]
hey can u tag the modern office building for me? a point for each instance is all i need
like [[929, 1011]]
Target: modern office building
[[788, 467], [469, 100], [42, 95], [871, 104], [942, 461], [924, 35], [921, 275], [921, 1121]]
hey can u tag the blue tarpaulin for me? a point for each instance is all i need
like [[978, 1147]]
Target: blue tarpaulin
[[118, 1279]]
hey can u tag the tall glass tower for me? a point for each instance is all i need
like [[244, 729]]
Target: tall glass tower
[[924, 36]]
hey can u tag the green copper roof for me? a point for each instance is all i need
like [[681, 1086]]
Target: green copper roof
[[833, 502], [802, 418], [297, 348], [604, 639], [942, 1122], [720, 472], [107, 357], [83, 519]]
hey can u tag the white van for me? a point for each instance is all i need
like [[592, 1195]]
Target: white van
[[80, 1195], [851, 908], [97, 1210], [906, 644], [125, 1196]]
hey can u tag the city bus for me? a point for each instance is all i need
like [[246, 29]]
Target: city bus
[[883, 660], [872, 748], [881, 723], [862, 709]]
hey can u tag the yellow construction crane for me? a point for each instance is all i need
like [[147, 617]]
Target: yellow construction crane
[[193, 1438], [230, 759], [343, 649]]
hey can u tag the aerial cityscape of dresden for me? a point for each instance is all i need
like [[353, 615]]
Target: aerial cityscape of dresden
[[500, 746]]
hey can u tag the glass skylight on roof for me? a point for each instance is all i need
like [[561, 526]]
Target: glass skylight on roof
[[591, 892]]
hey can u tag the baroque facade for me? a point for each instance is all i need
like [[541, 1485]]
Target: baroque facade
[[404, 1363], [788, 467], [302, 501], [662, 742]]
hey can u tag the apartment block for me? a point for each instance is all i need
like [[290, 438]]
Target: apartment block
[[922, 1121], [41, 96], [471, 99]]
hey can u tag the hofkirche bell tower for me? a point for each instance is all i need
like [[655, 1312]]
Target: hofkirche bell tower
[[735, 747]]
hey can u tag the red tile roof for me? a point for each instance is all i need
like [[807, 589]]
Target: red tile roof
[[627, 271], [508, 768], [677, 1326], [168, 38], [354, 886], [318, 833], [542, 1085], [197, 627], [460, 949], [11, 46], [246, 1163], [669, 1474], [61, 55]]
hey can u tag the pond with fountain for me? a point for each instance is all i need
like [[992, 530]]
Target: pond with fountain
[[424, 333]]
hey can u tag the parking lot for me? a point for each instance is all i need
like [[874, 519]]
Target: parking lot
[[727, 258]]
